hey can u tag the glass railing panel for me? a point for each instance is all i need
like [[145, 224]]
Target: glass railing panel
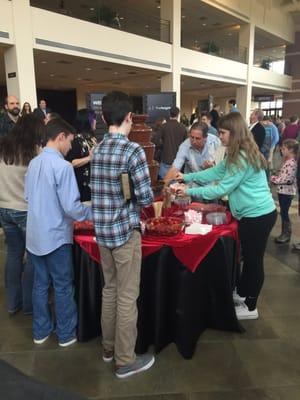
[[116, 17]]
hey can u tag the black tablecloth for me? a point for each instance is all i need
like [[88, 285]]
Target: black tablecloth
[[175, 305]]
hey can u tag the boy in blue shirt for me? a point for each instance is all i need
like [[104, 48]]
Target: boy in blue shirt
[[53, 204]]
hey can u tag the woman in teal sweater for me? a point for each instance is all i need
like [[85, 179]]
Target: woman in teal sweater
[[242, 177]]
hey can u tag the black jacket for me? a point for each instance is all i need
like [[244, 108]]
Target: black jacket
[[6, 125], [38, 113], [259, 134]]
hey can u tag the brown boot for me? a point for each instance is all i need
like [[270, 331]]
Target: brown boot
[[285, 236]]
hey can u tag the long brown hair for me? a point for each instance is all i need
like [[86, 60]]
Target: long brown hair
[[241, 142], [21, 144]]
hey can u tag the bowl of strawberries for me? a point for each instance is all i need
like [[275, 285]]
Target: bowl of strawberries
[[164, 226]]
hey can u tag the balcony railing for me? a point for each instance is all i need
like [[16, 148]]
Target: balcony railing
[[121, 18], [234, 53], [271, 63]]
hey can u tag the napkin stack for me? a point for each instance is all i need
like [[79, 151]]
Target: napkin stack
[[197, 228]]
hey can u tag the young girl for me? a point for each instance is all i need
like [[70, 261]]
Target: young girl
[[286, 186], [241, 176]]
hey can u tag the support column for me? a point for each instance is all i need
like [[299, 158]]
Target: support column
[[81, 93], [19, 63], [171, 10], [291, 100], [244, 93]]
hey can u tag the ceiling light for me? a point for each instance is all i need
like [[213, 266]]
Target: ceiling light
[[121, 17], [146, 26], [158, 7], [92, 9], [88, 68], [204, 24], [43, 62], [52, 75]]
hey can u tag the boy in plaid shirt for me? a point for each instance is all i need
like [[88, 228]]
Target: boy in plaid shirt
[[118, 234]]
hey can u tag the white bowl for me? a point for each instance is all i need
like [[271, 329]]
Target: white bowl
[[216, 218]]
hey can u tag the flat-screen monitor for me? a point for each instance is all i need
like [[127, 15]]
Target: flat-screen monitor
[[158, 105]]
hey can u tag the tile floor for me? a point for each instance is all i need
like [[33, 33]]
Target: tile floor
[[263, 363]]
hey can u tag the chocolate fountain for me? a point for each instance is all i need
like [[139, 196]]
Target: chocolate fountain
[[141, 133]]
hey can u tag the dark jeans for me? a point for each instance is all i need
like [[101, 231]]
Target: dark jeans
[[55, 267], [254, 234], [18, 274], [285, 201]]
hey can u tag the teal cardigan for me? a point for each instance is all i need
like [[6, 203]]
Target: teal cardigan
[[247, 189]]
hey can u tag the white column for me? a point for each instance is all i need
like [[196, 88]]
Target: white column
[[244, 93], [171, 10], [19, 63]]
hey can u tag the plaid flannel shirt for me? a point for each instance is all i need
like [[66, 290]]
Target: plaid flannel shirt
[[115, 218]]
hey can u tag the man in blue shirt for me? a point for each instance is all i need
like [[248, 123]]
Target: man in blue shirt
[[53, 204], [195, 153], [272, 131], [232, 105]]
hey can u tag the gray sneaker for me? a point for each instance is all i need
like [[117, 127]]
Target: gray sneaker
[[142, 363]]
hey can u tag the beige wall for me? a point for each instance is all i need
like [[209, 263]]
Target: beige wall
[[269, 79], [99, 38], [6, 21], [210, 67], [263, 13]]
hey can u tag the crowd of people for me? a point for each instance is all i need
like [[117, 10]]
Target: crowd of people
[[54, 174]]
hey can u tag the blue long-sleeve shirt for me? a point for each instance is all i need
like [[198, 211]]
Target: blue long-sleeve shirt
[[53, 202], [275, 135]]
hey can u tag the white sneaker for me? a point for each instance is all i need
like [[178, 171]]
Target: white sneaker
[[41, 341], [68, 343], [242, 312], [237, 298]]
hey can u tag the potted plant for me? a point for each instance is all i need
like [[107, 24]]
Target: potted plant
[[210, 48]]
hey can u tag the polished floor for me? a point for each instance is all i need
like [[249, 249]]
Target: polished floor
[[261, 364]]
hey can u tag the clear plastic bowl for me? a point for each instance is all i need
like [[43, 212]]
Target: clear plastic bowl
[[216, 218]]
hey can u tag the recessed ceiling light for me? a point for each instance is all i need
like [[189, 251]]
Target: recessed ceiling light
[[43, 62], [116, 73], [158, 7], [146, 26], [52, 75], [121, 17], [204, 24], [92, 9], [88, 68]]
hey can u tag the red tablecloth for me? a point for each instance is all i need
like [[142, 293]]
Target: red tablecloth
[[189, 249]]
